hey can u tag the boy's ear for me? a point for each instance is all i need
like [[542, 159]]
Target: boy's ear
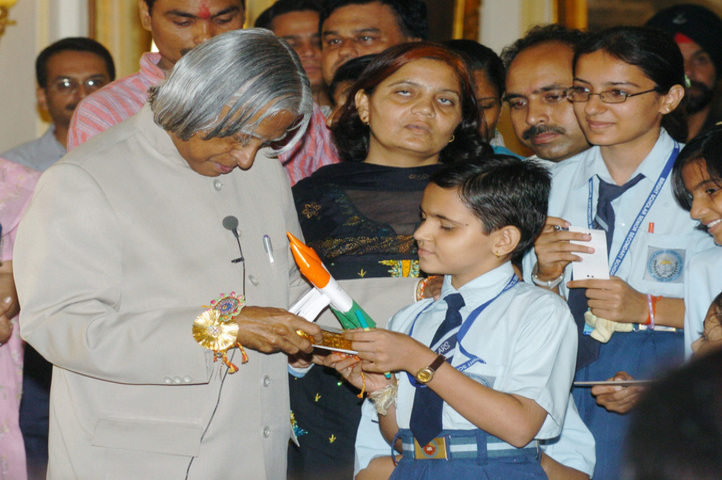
[[507, 238]]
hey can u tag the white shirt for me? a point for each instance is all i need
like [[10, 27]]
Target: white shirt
[[655, 261], [526, 339], [704, 272]]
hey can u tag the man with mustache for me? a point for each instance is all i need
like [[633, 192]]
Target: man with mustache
[[66, 71], [539, 71], [698, 32], [177, 27]]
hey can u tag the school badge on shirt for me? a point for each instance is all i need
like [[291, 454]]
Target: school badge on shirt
[[664, 265]]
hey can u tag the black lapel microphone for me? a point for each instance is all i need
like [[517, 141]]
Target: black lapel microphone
[[231, 223]]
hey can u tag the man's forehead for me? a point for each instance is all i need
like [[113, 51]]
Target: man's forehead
[[68, 63], [357, 18], [200, 8], [531, 71]]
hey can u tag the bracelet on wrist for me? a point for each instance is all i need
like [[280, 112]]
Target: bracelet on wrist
[[217, 330], [384, 398], [545, 283], [421, 287], [652, 310]]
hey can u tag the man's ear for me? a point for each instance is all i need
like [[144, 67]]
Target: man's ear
[[41, 98], [362, 105], [144, 15], [506, 240]]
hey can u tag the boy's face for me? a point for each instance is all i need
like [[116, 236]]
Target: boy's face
[[711, 339], [451, 239]]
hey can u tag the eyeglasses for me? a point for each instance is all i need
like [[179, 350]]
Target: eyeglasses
[[67, 85], [583, 94]]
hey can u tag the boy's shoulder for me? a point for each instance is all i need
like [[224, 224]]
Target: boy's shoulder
[[402, 320], [537, 302]]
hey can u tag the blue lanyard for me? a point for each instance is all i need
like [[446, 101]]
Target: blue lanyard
[[642, 213], [456, 335]]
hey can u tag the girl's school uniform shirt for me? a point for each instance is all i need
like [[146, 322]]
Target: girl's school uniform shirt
[[704, 283], [523, 343], [666, 239]]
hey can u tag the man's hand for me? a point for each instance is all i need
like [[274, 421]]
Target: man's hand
[[554, 250], [615, 398], [270, 330], [614, 300]]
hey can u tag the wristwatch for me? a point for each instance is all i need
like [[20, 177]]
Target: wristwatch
[[545, 283], [425, 375]]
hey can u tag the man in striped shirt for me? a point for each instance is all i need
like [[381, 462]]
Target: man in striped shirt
[[177, 26]]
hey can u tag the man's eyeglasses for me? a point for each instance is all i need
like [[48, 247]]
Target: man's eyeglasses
[[66, 85], [583, 94]]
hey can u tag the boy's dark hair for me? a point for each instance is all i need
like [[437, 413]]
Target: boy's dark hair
[[349, 72], [74, 44], [705, 148], [151, 2], [481, 58], [676, 428], [281, 7], [411, 15], [502, 190], [542, 34]]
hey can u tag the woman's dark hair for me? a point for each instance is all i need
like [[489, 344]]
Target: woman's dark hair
[[349, 72], [352, 135], [655, 53], [705, 148], [502, 190], [481, 58]]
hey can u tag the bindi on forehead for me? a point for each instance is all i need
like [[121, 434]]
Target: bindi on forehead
[[204, 11]]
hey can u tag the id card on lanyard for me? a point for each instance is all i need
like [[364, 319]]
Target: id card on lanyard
[[629, 238]]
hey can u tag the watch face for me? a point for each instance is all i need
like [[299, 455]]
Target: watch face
[[424, 375]]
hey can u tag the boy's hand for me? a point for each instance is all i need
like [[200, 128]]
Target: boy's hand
[[554, 250], [619, 399], [614, 300], [387, 351], [350, 368]]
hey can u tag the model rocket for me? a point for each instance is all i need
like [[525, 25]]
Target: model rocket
[[326, 291]]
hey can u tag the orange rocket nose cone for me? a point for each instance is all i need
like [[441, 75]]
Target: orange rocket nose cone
[[308, 262]]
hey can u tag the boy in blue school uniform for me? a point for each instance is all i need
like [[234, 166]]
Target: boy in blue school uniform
[[485, 371]]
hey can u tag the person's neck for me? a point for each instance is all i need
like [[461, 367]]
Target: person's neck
[[622, 160], [396, 159], [458, 281], [696, 121], [61, 134], [320, 96]]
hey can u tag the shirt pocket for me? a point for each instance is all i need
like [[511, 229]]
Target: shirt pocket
[[169, 437], [660, 263]]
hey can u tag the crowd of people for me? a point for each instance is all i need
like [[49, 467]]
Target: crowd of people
[[147, 281]]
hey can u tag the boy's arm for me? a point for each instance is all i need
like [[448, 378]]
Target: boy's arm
[[516, 419]]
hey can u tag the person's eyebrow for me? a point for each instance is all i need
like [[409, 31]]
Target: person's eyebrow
[[416, 84], [355, 32], [181, 13], [608, 84]]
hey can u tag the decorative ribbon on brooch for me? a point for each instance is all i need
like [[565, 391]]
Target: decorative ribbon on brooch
[[216, 329]]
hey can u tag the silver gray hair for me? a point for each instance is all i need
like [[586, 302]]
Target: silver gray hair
[[251, 73]]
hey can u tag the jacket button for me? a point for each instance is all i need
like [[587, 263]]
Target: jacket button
[[266, 381], [253, 280], [267, 431], [217, 185]]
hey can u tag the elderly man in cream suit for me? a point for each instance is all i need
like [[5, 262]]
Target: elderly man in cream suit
[[124, 245]]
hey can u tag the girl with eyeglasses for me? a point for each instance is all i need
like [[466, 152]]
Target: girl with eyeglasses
[[628, 85]]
